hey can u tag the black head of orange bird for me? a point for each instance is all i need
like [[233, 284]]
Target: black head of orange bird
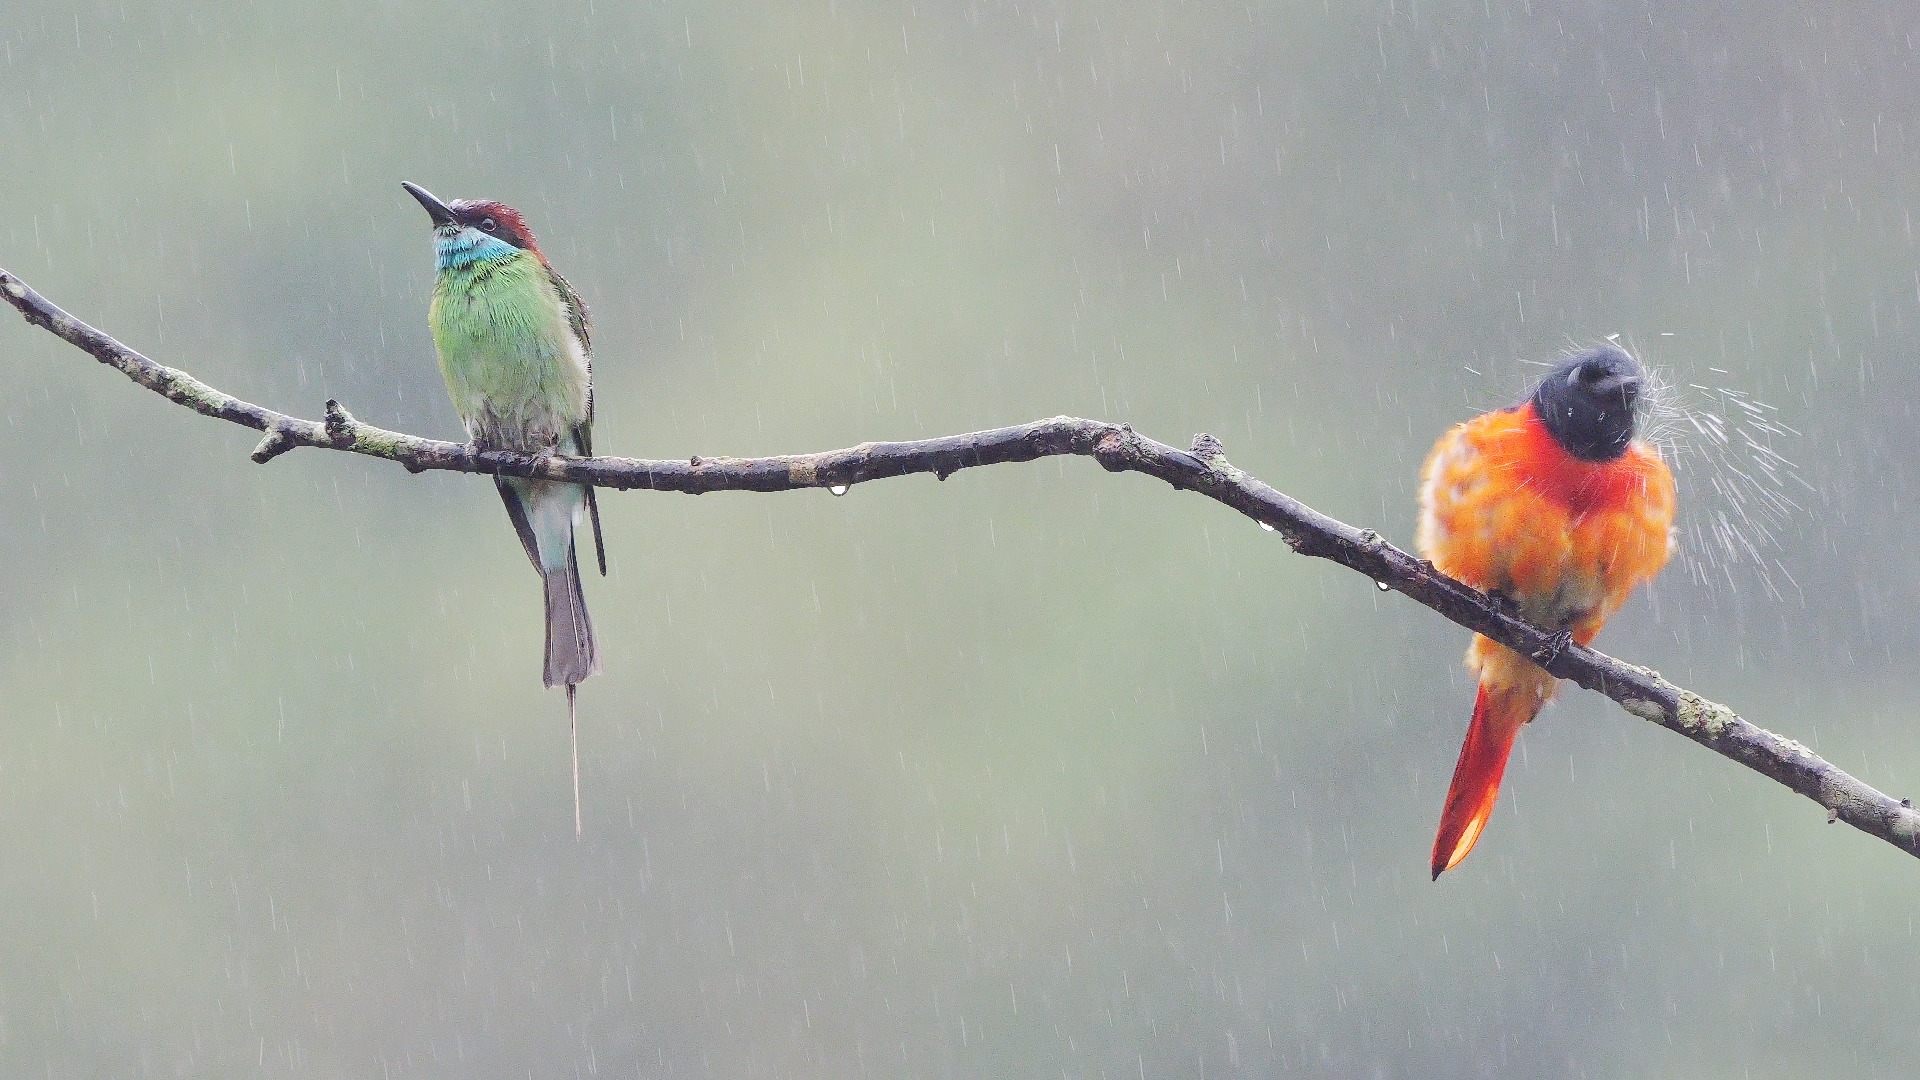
[[1555, 506]]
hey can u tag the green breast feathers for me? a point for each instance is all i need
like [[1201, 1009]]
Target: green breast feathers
[[513, 348]]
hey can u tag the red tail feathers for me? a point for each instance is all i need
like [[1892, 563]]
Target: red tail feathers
[[1497, 719]]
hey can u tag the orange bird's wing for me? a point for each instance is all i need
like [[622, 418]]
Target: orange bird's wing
[[1483, 515]]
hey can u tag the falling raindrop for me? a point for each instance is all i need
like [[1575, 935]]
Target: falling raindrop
[[838, 489]]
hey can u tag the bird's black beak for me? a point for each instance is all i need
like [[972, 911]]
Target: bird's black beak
[[1630, 389], [1622, 388], [436, 209]]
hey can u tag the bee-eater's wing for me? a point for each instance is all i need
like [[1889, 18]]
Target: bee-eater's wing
[[517, 512], [593, 506], [576, 310], [578, 322]]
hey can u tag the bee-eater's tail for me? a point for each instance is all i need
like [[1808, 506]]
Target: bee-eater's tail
[[1499, 713], [571, 652], [573, 730]]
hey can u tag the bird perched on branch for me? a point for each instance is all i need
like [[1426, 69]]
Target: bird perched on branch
[[512, 339], [1555, 508]]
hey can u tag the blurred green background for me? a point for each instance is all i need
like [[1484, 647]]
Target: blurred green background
[[1037, 772]]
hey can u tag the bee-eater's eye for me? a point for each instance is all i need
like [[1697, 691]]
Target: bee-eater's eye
[[488, 224]]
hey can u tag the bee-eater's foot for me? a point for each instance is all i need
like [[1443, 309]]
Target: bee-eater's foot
[[1555, 649]]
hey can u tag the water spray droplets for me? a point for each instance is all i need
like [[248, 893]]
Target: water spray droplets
[[1739, 488]]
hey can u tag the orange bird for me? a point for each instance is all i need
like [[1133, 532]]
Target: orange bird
[[1554, 507]]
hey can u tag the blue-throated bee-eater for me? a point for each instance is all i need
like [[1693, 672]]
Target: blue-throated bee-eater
[[513, 345]]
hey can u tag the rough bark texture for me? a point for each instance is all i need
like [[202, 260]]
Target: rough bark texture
[[1118, 448]]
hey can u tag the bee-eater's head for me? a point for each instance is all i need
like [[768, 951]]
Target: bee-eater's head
[[467, 231], [1588, 402]]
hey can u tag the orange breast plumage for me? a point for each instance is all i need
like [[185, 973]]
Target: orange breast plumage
[[1504, 508]]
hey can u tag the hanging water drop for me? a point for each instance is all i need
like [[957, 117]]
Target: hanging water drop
[[1383, 586], [838, 489], [1264, 527]]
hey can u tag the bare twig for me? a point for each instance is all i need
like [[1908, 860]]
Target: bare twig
[[1118, 448]]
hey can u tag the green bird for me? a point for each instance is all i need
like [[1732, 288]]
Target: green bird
[[513, 345]]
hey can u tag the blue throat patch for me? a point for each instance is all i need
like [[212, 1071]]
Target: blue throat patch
[[459, 250]]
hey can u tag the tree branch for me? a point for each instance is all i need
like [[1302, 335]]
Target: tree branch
[[1118, 448]]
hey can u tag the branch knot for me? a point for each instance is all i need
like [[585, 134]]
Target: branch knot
[[340, 424], [1112, 448], [1207, 448]]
